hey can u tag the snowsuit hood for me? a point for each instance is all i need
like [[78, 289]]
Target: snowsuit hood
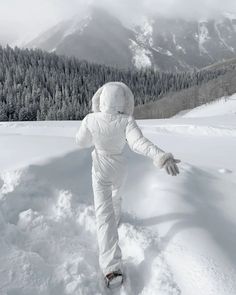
[[113, 98]]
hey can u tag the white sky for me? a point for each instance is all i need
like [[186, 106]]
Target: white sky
[[20, 19]]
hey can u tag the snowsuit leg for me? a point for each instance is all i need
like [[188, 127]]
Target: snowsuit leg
[[107, 176], [117, 193]]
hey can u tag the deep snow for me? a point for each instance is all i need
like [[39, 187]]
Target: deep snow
[[178, 234]]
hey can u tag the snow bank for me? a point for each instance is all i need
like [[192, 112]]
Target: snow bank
[[48, 236], [177, 233], [223, 106]]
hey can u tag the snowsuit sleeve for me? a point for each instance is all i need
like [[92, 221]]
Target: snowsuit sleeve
[[140, 144], [84, 137]]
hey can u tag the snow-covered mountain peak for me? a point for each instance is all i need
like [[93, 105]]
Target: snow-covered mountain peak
[[166, 44], [78, 25], [145, 31]]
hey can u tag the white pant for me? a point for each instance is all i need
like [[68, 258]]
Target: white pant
[[108, 176]]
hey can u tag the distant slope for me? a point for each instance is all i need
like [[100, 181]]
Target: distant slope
[[222, 106], [174, 102], [98, 38], [222, 64], [162, 43]]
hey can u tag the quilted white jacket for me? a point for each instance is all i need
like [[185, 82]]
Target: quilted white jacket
[[112, 125]]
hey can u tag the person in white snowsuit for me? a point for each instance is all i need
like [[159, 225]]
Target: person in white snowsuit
[[108, 129]]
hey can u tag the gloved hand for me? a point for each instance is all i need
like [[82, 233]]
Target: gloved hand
[[167, 160], [171, 167]]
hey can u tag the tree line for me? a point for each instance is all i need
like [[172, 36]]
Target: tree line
[[185, 99], [36, 85]]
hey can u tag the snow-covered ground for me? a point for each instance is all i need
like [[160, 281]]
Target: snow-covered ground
[[178, 234], [222, 106]]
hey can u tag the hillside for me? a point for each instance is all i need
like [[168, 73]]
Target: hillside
[[173, 102], [222, 64], [36, 85], [222, 106]]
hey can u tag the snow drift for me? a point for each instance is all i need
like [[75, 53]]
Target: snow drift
[[177, 233]]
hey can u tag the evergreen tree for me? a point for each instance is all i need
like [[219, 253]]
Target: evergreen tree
[[35, 85]]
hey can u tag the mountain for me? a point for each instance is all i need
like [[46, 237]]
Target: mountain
[[163, 43], [98, 37], [192, 44]]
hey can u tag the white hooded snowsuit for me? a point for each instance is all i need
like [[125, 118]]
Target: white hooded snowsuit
[[108, 129]]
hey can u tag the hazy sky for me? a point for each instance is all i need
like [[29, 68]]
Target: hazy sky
[[25, 19]]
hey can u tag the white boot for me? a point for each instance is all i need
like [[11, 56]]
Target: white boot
[[114, 279]]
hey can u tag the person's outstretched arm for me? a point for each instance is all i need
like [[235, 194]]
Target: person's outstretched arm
[[83, 137], [141, 145]]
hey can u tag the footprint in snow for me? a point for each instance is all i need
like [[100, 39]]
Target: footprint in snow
[[145, 266]]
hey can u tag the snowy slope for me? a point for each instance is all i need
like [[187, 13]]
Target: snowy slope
[[177, 234], [223, 106]]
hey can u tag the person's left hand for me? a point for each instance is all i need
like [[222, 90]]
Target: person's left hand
[[171, 167], [169, 163]]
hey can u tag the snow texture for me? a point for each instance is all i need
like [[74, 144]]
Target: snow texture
[[230, 48], [78, 27], [203, 35], [145, 33], [141, 55], [177, 234], [222, 106]]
